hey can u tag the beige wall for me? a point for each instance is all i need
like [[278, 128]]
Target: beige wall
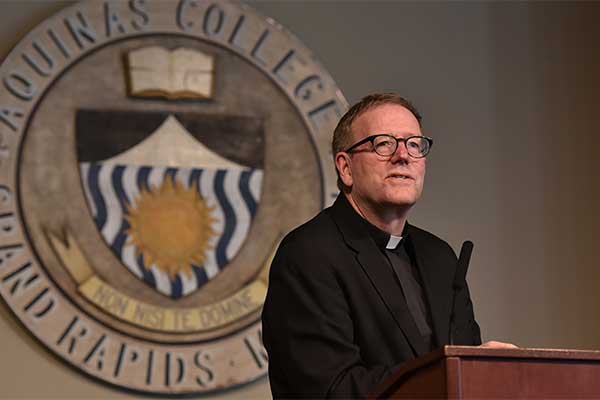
[[508, 93]]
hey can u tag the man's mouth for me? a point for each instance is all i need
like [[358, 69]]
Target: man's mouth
[[399, 176]]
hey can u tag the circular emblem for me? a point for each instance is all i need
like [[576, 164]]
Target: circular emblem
[[153, 155]]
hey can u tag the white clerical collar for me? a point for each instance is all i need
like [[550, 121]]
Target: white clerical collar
[[393, 242]]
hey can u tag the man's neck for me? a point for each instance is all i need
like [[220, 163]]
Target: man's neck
[[388, 220]]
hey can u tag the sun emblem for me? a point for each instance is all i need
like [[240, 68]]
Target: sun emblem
[[171, 227]]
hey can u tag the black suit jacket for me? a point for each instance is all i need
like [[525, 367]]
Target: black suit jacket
[[335, 322]]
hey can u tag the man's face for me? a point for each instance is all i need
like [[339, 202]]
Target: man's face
[[384, 182]]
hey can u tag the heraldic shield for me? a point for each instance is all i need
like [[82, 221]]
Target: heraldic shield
[[173, 195]]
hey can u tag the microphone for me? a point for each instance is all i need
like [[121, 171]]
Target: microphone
[[459, 279], [463, 264]]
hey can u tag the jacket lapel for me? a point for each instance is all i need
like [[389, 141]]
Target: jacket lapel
[[377, 268], [437, 282]]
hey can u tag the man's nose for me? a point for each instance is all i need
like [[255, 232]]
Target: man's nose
[[401, 153]]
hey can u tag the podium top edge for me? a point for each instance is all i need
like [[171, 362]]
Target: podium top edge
[[562, 354]]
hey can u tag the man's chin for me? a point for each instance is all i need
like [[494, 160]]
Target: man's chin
[[402, 197], [404, 202]]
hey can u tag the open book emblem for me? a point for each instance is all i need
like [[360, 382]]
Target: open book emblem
[[181, 73]]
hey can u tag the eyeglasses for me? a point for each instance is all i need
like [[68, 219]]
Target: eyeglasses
[[385, 145]]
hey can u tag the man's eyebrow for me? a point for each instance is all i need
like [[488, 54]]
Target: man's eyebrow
[[406, 134]]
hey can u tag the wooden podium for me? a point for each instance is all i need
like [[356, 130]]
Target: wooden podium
[[464, 372]]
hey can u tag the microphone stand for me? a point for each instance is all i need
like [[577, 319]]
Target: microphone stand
[[459, 281]]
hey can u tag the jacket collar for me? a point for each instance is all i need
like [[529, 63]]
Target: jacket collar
[[382, 239]]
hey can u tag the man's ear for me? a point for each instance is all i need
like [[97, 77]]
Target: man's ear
[[342, 163]]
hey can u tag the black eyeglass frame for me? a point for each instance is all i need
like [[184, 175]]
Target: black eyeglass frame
[[403, 140]]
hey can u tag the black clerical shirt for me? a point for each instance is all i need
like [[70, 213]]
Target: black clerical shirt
[[400, 255]]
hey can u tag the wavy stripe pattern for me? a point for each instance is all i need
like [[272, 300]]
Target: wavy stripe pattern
[[233, 195]]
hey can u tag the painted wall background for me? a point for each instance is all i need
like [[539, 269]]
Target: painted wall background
[[509, 92]]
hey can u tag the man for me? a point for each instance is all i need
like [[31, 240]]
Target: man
[[357, 291]]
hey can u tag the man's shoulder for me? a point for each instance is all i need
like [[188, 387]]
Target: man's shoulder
[[313, 234]]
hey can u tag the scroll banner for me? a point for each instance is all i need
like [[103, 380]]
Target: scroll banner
[[245, 301]]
